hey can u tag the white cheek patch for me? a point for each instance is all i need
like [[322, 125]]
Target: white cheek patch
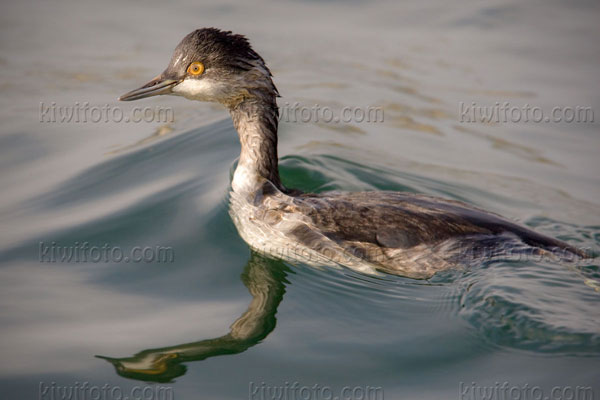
[[199, 89]]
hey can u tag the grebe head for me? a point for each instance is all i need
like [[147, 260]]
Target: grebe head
[[211, 65]]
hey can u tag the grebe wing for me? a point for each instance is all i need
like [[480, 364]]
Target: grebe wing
[[396, 220]]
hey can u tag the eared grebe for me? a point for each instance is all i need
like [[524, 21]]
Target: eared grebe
[[399, 233]]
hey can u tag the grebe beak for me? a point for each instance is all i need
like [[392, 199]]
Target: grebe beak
[[158, 85]]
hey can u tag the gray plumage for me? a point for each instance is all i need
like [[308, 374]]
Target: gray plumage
[[399, 233]]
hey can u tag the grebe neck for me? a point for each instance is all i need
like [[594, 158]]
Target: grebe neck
[[255, 118]]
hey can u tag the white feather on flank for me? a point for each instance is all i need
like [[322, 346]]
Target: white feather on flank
[[273, 240]]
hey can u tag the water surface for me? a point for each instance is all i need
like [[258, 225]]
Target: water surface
[[156, 184]]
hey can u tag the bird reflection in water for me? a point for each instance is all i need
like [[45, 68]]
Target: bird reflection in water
[[265, 280]]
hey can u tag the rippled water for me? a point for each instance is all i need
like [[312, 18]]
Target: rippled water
[[147, 184]]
